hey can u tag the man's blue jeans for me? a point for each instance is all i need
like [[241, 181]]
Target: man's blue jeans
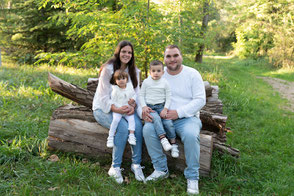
[[162, 126], [121, 137], [188, 130]]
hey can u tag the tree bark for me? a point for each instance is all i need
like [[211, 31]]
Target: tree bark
[[71, 91], [211, 115], [199, 53], [74, 129]]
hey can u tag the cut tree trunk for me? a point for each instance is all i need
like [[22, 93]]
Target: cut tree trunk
[[211, 115], [74, 129]]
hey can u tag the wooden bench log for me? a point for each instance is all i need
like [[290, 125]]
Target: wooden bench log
[[74, 129], [211, 115]]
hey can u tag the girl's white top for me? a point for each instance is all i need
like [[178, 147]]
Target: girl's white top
[[102, 99], [155, 92], [188, 92], [120, 96]]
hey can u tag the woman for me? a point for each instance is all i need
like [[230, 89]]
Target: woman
[[123, 59]]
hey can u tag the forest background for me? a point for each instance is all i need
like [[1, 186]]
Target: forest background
[[72, 38], [83, 33]]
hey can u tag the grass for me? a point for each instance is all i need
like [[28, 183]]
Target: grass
[[261, 130]]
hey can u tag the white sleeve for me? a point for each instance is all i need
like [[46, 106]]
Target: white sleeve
[[143, 94], [198, 98], [167, 95], [104, 89], [137, 90]]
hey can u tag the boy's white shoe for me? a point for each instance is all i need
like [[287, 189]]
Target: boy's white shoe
[[192, 187], [115, 172], [137, 170], [157, 175], [165, 144], [110, 142], [175, 151], [132, 139]]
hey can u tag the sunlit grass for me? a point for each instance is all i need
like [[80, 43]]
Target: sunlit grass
[[283, 73], [260, 129]]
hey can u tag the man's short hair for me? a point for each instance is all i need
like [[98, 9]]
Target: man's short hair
[[172, 46], [156, 62]]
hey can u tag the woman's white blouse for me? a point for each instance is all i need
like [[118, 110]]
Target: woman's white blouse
[[102, 99]]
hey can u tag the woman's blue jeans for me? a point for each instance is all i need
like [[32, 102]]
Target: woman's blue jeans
[[188, 130], [121, 137]]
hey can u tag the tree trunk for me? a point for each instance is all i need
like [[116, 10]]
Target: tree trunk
[[71, 91], [199, 53], [211, 115], [74, 129]]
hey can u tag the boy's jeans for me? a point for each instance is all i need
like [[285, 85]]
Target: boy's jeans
[[162, 126]]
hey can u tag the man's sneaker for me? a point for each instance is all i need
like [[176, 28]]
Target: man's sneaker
[[115, 172], [132, 139], [165, 144], [175, 151], [157, 175], [192, 187], [137, 170], [110, 142]]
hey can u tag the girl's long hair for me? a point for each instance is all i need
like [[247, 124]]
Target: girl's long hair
[[115, 61]]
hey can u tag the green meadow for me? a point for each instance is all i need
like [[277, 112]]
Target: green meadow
[[260, 129]]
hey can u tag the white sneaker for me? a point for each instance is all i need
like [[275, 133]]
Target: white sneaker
[[192, 187], [115, 172], [137, 170], [157, 175], [132, 139], [110, 142], [165, 144], [175, 151]]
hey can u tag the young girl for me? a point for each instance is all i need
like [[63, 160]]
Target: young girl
[[121, 94]]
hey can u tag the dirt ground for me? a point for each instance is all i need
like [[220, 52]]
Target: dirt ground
[[285, 88]]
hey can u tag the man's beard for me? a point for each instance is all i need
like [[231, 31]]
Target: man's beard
[[174, 68]]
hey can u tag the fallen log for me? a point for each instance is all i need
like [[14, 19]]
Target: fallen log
[[71, 91], [74, 129], [211, 115]]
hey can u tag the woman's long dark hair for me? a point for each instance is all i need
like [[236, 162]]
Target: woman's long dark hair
[[117, 63]]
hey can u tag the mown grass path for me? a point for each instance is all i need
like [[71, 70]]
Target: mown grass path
[[261, 129]]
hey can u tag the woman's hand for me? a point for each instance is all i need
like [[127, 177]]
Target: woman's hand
[[121, 110], [131, 110], [132, 103]]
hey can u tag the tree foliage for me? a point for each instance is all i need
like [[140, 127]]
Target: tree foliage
[[26, 30], [266, 29], [89, 29]]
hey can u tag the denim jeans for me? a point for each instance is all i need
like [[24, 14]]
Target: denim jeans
[[121, 137], [162, 126], [188, 130]]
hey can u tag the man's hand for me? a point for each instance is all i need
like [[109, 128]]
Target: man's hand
[[132, 103], [146, 116], [163, 113], [172, 115]]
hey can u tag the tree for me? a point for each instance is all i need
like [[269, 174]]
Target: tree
[[199, 53]]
